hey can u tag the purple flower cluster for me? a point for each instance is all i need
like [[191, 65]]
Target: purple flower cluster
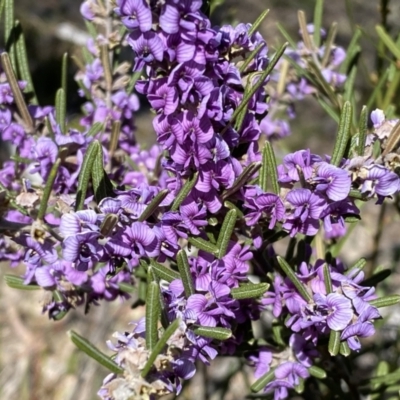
[[345, 309]]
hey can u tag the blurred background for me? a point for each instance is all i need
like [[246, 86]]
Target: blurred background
[[37, 360]]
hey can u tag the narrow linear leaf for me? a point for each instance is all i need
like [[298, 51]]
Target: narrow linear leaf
[[374, 279], [59, 298], [152, 314], [258, 22], [249, 291], [317, 372], [153, 205], [259, 83], [204, 245], [184, 192], [232, 206], [360, 264], [250, 57], [318, 10], [327, 279], [85, 175], [286, 35], [349, 84], [246, 174], [160, 346], [48, 189], [142, 290], [362, 129], [294, 279], [300, 387], [61, 109], [343, 134], [22, 61], [105, 61], [344, 350], [9, 33], [95, 129], [329, 110], [102, 185], [329, 41], [227, 228], [271, 168], [163, 272], [263, 381], [334, 343], [389, 42], [127, 288], [213, 332], [64, 74], [352, 50], [16, 282], [18, 97], [301, 16], [184, 271], [83, 344], [385, 301], [115, 134]]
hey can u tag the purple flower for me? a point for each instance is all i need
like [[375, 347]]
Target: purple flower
[[147, 46], [262, 362], [193, 216], [381, 181], [82, 249], [261, 204], [292, 372], [335, 308], [333, 181], [135, 14], [307, 208]]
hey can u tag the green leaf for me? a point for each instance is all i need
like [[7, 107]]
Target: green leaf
[[9, 33], [349, 84], [374, 279], [258, 84], [22, 61], [360, 264], [212, 332], [228, 204], [329, 109], [318, 10], [227, 228], [269, 169], [83, 344], [153, 205], [95, 129], [343, 134], [286, 35], [18, 97], [48, 189], [61, 109], [64, 75], [246, 174], [388, 379], [85, 174], [352, 51], [184, 271], [334, 343], [249, 290], [204, 245], [263, 381], [327, 279], [257, 22], [389, 43], [184, 192], [16, 282], [385, 301], [127, 288], [163, 272], [344, 349], [152, 314], [105, 61], [158, 348], [294, 279], [102, 186], [250, 57], [317, 372]]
